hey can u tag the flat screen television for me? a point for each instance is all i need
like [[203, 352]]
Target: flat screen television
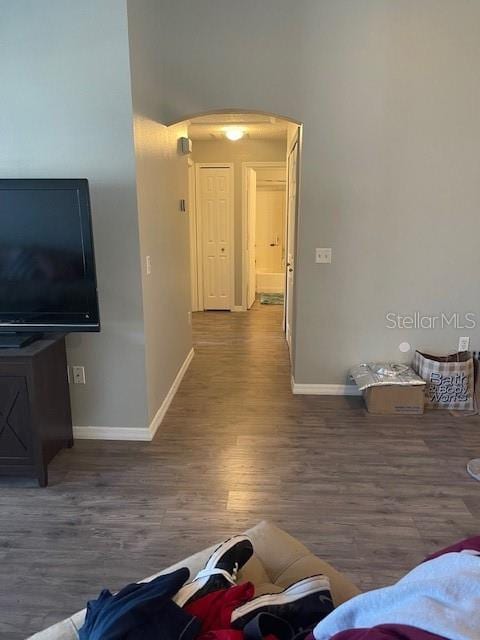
[[47, 265]]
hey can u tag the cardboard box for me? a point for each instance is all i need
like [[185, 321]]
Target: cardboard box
[[395, 399]]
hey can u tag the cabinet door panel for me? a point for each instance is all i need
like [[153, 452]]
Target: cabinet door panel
[[15, 436]]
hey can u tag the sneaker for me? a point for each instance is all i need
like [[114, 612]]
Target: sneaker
[[265, 625], [220, 571], [302, 604]]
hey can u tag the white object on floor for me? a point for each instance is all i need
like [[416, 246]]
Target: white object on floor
[[473, 468]]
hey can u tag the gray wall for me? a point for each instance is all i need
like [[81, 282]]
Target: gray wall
[[244, 150], [388, 94], [65, 111], [162, 180]]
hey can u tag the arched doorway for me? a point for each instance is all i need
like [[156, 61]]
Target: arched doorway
[[243, 163]]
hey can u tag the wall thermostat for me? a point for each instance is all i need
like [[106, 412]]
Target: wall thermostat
[[185, 145]]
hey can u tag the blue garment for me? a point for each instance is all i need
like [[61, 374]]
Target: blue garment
[[143, 611]]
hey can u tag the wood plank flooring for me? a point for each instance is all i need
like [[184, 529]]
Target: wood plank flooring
[[372, 495]]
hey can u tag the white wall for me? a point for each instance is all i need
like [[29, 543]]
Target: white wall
[[388, 94], [65, 111], [244, 150]]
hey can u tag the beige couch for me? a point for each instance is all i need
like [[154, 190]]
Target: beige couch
[[279, 560]]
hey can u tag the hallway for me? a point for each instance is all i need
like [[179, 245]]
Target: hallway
[[372, 495]]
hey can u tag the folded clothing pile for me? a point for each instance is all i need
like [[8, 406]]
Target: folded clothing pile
[[211, 607], [438, 600]]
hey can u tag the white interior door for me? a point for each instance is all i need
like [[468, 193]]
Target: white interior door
[[216, 211], [270, 230], [291, 217], [251, 226]]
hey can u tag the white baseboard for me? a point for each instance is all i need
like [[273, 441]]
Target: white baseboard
[[325, 389], [238, 307], [159, 416], [111, 433], [144, 434]]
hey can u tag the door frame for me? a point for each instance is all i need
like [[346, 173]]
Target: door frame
[[250, 250], [245, 167], [192, 225], [199, 229], [296, 140]]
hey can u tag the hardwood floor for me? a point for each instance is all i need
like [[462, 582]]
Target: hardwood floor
[[372, 495]]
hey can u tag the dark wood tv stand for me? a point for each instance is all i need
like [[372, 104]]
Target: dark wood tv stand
[[35, 415]]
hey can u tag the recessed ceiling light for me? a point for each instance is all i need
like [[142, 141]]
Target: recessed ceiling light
[[234, 133]]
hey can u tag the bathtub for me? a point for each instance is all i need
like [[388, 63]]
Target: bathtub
[[270, 282]]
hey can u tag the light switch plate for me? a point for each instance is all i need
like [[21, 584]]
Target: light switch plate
[[78, 374], [463, 343], [323, 255]]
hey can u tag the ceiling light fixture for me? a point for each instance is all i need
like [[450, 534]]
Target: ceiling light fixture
[[234, 133]]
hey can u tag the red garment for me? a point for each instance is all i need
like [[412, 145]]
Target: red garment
[[222, 634], [387, 632], [215, 609], [468, 543]]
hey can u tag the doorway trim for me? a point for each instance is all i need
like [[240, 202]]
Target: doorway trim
[[199, 230], [192, 229], [245, 167], [296, 141]]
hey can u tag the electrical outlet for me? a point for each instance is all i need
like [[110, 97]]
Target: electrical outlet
[[78, 375], [323, 256], [463, 343], [148, 265]]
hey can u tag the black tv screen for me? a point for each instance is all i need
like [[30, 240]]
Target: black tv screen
[[47, 264]]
